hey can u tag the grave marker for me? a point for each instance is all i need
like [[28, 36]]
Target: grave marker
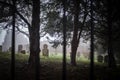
[[45, 50]]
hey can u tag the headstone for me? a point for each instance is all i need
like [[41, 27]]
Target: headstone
[[45, 50], [78, 54], [0, 48], [70, 54], [23, 51], [10, 48], [27, 48], [106, 59], [20, 47], [100, 58]]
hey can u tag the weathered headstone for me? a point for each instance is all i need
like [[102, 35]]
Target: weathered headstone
[[100, 58], [45, 50], [70, 54], [27, 48], [20, 47], [78, 54], [23, 51], [10, 48], [106, 59], [0, 48]]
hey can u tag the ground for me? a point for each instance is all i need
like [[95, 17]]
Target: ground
[[51, 69]]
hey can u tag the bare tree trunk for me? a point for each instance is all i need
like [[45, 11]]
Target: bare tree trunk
[[34, 39], [75, 42], [111, 59], [13, 44], [64, 41], [92, 44]]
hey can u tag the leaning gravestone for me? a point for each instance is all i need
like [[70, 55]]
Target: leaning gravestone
[[45, 50], [100, 58], [106, 59], [20, 47]]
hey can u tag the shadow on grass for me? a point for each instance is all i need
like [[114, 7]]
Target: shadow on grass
[[51, 69]]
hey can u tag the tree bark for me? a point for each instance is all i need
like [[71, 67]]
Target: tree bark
[[75, 42], [91, 42], [13, 44], [111, 59], [64, 41], [34, 39]]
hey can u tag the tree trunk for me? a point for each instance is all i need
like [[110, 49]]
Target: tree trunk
[[91, 42], [75, 42], [73, 55], [13, 44], [34, 32], [111, 59], [64, 41], [34, 39]]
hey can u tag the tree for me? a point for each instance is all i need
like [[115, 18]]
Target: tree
[[34, 38], [76, 19], [13, 43], [108, 24], [64, 40], [112, 62], [91, 43], [34, 35]]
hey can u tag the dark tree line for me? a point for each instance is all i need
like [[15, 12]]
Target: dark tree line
[[108, 23]]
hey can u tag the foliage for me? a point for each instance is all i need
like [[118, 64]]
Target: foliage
[[101, 27]]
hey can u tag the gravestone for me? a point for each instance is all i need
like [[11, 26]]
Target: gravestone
[[70, 54], [27, 48], [106, 59], [78, 54], [45, 50], [23, 51], [0, 48], [20, 47], [100, 58], [10, 48]]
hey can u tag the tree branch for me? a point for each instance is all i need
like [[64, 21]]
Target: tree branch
[[22, 31], [21, 16], [85, 16]]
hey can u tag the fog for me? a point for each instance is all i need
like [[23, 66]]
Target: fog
[[21, 39]]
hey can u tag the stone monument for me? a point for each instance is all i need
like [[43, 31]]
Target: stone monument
[[20, 47], [106, 59], [45, 50], [0, 48], [100, 58]]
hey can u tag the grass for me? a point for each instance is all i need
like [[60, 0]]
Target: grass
[[51, 69]]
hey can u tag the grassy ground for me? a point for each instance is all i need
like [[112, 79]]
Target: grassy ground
[[51, 69]]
